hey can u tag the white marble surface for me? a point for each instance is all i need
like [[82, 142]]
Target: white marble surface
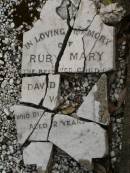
[[46, 40], [33, 89], [95, 104], [81, 140], [41, 45], [38, 153], [99, 47], [73, 58], [51, 100], [26, 119], [85, 14]]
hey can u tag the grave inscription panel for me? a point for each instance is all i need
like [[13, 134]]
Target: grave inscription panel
[[41, 89], [88, 138], [27, 119], [89, 49], [81, 140], [33, 89]]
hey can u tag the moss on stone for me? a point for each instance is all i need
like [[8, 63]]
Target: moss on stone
[[107, 2]]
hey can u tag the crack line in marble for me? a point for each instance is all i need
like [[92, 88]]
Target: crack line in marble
[[27, 139]]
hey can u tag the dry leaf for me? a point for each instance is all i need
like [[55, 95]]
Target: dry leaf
[[106, 2], [68, 110], [122, 97], [99, 169], [112, 108]]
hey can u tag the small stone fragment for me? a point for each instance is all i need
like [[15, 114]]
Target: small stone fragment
[[6, 111], [27, 121], [38, 153], [1, 62], [112, 13], [95, 105], [81, 140], [67, 7], [1, 55], [33, 89]]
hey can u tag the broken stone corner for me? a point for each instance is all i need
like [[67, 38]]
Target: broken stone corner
[[95, 105], [40, 154]]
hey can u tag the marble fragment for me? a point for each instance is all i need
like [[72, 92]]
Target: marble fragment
[[33, 89], [99, 47], [81, 140], [51, 100], [38, 153], [27, 119], [76, 3], [68, 9], [95, 104], [85, 15], [112, 14]]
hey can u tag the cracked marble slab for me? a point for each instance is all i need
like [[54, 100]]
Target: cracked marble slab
[[73, 58], [47, 47], [42, 44], [32, 123], [99, 46], [38, 153], [95, 105], [81, 140], [33, 89], [51, 100]]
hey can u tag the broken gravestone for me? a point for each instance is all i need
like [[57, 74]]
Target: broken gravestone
[[38, 153], [69, 50], [31, 123], [80, 139], [95, 105], [45, 89], [69, 37]]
